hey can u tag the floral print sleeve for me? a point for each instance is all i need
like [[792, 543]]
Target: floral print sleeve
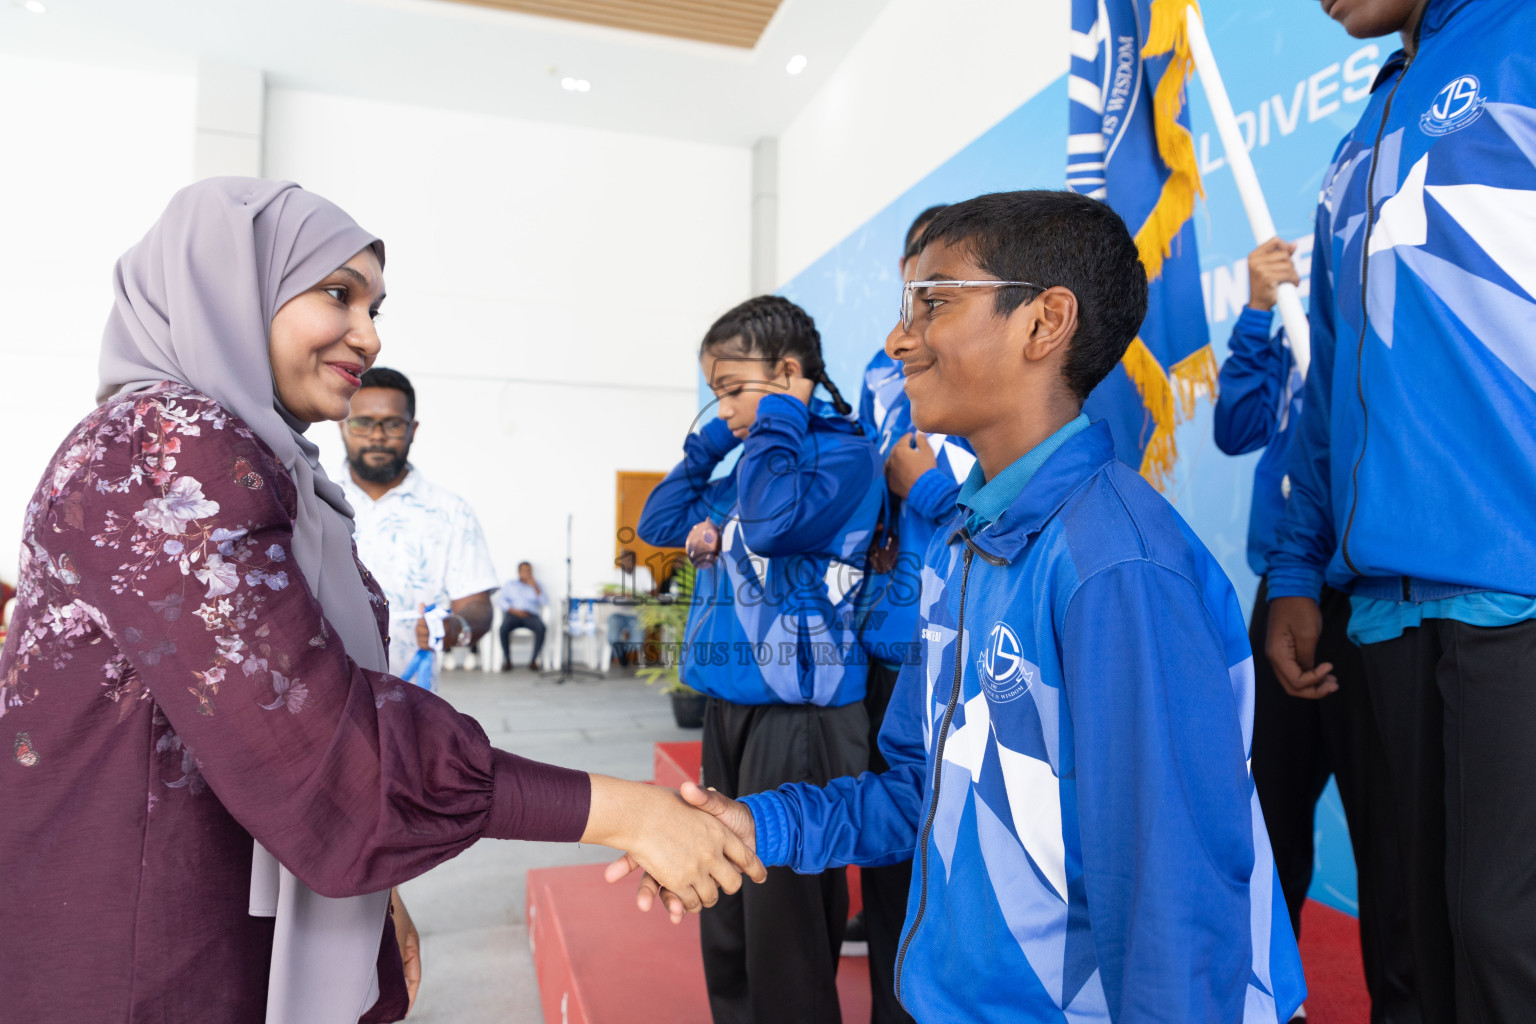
[[166, 528]]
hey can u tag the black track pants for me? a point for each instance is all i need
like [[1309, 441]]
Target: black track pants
[[1457, 709], [771, 950], [1297, 744]]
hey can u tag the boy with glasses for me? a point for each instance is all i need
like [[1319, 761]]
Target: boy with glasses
[[1067, 762]]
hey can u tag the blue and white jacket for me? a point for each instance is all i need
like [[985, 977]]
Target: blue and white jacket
[[1413, 475], [1258, 403], [773, 620], [888, 604], [1069, 764]]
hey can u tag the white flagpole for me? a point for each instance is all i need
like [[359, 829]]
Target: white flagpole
[[1288, 299]]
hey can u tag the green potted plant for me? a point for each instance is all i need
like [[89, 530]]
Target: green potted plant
[[670, 620]]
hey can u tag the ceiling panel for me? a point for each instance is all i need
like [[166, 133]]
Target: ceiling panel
[[476, 58], [727, 22]]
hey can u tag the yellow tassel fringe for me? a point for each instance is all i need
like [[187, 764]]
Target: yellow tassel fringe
[[1176, 204], [1169, 396]]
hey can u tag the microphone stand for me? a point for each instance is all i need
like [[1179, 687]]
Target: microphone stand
[[567, 671]]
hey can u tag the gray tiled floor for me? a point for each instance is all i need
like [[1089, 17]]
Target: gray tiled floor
[[476, 967]]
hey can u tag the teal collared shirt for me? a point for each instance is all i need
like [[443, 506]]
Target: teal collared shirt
[[1372, 620], [985, 500]]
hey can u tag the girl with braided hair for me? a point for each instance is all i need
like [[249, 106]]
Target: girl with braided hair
[[779, 540]]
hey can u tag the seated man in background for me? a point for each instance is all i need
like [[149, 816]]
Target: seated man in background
[[635, 585], [422, 542], [521, 602]]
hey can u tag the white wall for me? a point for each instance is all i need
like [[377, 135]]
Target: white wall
[[927, 77], [548, 287], [88, 158]]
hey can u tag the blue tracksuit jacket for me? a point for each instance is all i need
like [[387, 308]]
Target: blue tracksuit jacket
[[1069, 764], [773, 621], [1413, 475], [888, 604], [1259, 401]]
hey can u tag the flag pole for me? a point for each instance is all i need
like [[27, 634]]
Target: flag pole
[[1287, 299]]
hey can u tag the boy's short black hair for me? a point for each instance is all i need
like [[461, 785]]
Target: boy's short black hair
[[1057, 238], [384, 377], [914, 242]]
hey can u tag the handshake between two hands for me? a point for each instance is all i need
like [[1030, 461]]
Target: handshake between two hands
[[692, 844]]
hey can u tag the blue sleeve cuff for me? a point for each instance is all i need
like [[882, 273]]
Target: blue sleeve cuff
[[933, 496], [717, 438], [1254, 324], [782, 412], [772, 825], [1293, 581]]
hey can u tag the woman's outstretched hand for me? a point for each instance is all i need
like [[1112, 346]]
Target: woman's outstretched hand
[[731, 813], [691, 853]]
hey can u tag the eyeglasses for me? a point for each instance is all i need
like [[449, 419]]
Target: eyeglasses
[[909, 290], [394, 426]]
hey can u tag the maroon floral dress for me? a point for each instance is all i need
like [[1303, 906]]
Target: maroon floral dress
[[170, 690]]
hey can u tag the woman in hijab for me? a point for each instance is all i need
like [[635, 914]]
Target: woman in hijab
[[213, 783]]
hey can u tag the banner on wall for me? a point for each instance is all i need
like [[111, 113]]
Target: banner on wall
[[1129, 144]]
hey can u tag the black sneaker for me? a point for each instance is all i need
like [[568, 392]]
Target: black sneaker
[[856, 931]]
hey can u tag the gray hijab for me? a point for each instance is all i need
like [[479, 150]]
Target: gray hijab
[[194, 301]]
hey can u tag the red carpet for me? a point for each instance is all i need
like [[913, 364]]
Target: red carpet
[[601, 961], [1330, 954], [675, 762]]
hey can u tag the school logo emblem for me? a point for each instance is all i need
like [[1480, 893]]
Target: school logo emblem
[[1455, 106], [1004, 673]]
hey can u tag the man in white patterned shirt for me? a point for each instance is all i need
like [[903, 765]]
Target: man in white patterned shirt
[[421, 542]]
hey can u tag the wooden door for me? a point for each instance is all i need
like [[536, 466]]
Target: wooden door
[[632, 488]]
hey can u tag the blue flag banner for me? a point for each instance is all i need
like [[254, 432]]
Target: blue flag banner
[[1129, 144]]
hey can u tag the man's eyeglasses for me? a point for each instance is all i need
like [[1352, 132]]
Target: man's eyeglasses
[[909, 291], [394, 426]]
